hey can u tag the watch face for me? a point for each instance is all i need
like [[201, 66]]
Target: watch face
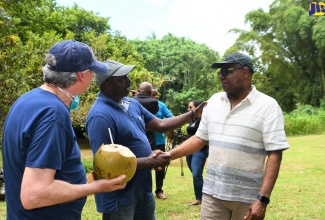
[[263, 199]]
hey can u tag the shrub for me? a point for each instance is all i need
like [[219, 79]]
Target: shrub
[[88, 164], [305, 120]]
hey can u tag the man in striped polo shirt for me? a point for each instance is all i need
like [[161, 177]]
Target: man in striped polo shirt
[[245, 132]]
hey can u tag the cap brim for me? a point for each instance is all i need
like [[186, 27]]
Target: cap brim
[[124, 70], [221, 64], [99, 67]]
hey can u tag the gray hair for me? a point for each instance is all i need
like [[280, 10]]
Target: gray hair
[[61, 79]]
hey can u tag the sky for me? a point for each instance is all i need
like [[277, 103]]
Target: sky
[[203, 21]]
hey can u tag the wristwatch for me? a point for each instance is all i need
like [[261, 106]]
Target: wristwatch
[[263, 199]]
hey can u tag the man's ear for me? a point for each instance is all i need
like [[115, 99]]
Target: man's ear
[[105, 85], [80, 76], [246, 71]]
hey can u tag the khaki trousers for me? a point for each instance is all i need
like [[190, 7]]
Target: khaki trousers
[[216, 209]]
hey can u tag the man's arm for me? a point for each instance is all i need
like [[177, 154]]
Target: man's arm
[[40, 189], [188, 147], [156, 160], [257, 209], [167, 124]]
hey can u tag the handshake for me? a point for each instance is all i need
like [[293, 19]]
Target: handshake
[[159, 159]]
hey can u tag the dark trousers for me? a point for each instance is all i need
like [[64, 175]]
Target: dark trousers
[[160, 175]]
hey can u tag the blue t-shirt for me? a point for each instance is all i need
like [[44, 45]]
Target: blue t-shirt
[[38, 133], [127, 125], [162, 113]]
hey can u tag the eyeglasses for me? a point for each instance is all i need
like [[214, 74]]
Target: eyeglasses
[[228, 70]]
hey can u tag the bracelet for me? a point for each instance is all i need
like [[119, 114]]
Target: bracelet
[[192, 115]]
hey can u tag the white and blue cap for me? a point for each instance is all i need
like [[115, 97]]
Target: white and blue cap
[[74, 56]]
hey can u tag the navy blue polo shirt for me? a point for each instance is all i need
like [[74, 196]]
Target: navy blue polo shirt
[[128, 129]]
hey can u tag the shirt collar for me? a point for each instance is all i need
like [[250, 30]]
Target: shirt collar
[[250, 97], [124, 103]]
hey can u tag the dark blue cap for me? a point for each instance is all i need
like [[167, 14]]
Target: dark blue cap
[[74, 56], [236, 58]]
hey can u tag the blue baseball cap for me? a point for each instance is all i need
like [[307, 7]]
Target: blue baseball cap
[[74, 56]]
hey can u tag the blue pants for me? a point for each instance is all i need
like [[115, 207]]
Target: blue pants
[[196, 164], [142, 208], [160, 174]]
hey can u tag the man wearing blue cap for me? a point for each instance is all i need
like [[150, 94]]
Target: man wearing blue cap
[[43, 173], [245, 132]]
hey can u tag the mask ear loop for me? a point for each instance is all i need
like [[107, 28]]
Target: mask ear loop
[[71, 97]]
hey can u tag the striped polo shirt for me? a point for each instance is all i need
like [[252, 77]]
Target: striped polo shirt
[[239, 140]]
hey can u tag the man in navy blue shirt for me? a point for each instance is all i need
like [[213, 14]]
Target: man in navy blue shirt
[[128, 121], [43, 173]]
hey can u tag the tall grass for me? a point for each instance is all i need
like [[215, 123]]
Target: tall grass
[[305, 120]]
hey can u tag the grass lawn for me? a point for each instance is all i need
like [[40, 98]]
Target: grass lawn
[[298, 195]]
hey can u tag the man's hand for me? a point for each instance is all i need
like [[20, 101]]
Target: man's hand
[[159, 159], [197, 112], [106, 185], [163, 154], [256, 211]]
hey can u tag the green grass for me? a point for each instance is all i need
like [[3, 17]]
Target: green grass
[[298, 195]]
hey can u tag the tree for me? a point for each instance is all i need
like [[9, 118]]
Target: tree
[[287, 46], [185, 67], [27, 31]]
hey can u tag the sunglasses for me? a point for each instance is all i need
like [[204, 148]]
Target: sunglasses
[[228, 70]]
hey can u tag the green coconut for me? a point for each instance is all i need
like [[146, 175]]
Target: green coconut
[[113, 160]]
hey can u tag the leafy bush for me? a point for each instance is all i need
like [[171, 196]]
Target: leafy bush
[[88, 164], [305, 120]]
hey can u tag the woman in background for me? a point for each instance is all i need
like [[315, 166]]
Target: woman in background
[[197, 160]]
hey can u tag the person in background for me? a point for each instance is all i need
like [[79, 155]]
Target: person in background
[[245, 132], [197, 160], [163, 112], [134, 93], [43, 173], [128, 121], [151, 104]]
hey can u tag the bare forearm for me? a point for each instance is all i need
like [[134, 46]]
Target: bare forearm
[[56, 193], [157, 159], [168, 124], [144, 162], [272, 169], [188, 147], [39, 189]]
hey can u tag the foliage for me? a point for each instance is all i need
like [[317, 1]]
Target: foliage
[[21, 68], [287, 45], [30, 28], [305, 120], [88, 164], [184, 66]]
